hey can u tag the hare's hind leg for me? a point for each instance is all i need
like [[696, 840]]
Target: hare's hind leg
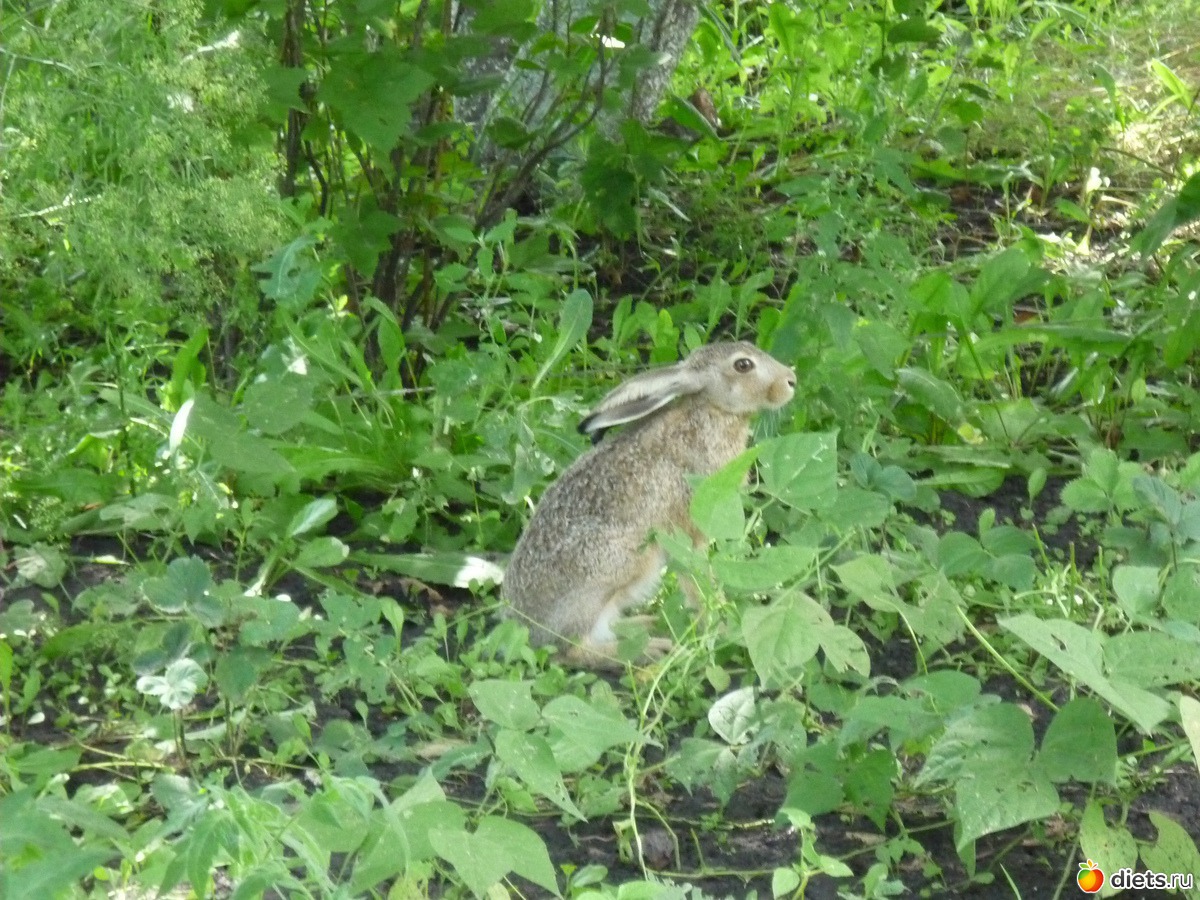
[[597, 649]]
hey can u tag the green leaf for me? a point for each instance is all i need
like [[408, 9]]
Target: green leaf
[[986, 756], [770, 567], [914, 31], [497, 847], [934, 394], [1110, 847], [372, 94], [1080, 744], [1173, 851], [40, 857], [1079, 653], [509, 704], [530, 757], [871, 579], [239, 670], [313, 515], [800, 469], [573, 324], [1002, 280], [782, 637], [188, 586], [717, 500], [581, 730], [321, 553], [186, 369], [41, 564], [1189, 716], [276, 405], [1151, 659]]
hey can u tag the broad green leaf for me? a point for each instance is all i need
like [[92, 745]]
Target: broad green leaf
[[497, 847], [999, 736], [573, 324], [1110, 847], [188, 586], [41, 858], [800, 469], [1151, 659], [716, 506], [871, 579], [509, 704], [1173, 851], [784, 882], [1002, 279], [581, 730], [1080, 744], [934, 394], [238, 670], [986, 756], [372, 94], [770, 567], [959, 555], [276, 405], [530, 757], [1079, 653], [782, 637]]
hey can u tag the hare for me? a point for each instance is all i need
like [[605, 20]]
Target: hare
[[585, 556]]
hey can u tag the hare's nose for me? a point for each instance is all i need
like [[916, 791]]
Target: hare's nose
[[791, 379]]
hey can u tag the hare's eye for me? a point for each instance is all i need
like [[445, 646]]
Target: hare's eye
[[743, 364]]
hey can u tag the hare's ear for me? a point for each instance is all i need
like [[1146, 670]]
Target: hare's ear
[[639, 397]]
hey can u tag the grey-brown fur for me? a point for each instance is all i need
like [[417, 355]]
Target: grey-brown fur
[[584, 557]]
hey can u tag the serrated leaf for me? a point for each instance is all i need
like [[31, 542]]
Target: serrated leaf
[[573, 324]]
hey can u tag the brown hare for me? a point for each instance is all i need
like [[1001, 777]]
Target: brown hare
[[585, 556]]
